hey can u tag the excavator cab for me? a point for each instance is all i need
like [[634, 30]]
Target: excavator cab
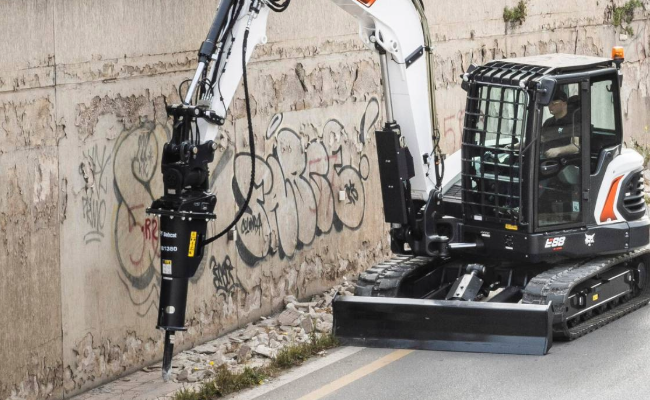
[[540, 136], [547, 201]]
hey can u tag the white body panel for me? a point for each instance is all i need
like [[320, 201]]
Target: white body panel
[[397, 26], [621, 166], [453, 171]]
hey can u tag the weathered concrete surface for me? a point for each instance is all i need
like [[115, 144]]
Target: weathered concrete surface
[[30, 290], [83, 84]]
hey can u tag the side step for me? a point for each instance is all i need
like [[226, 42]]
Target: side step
[[479, 327]]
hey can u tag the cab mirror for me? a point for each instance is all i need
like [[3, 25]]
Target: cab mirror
[[545, 90]]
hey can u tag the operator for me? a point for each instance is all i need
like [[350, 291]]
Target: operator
[[561, 132], [560, 137]]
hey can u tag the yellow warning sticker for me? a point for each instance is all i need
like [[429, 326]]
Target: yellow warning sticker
[[512, 227], [595, 297], [192, 249], [167, 267]]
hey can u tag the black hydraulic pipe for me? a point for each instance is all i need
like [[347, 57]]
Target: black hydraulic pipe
[[210, 44]]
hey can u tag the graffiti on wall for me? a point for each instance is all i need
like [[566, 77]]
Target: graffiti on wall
[[452, 127], [93, 170], [136, 234], [137, 182], [303, 189], [223, 278]]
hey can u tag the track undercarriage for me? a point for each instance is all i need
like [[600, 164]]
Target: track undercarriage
[[415, 302]]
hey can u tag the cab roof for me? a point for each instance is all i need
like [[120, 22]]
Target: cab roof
[[521, 71], [561, 62]]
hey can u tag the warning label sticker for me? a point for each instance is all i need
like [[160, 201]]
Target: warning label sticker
[[192, 249], [167, 267]]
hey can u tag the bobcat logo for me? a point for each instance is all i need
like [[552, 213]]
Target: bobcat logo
[[590, 239]]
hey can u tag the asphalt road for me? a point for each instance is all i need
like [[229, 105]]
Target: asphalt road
[[610, 363]]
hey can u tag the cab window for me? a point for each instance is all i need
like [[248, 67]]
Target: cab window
[[604, 133]]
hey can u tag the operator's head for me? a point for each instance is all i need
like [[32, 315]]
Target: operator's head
[[558, 106]]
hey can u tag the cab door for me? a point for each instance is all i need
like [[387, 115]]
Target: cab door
[[606, 133], [562, 188]]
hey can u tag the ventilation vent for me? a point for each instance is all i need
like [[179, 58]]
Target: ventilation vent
[[634, 203]]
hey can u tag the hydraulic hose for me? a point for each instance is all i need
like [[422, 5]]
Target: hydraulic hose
[[276, 6], [439, 164], [251, 139]]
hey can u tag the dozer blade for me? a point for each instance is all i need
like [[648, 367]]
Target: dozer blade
[[480, 327]]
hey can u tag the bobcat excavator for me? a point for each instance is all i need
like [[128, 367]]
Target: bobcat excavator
[[537, 228]]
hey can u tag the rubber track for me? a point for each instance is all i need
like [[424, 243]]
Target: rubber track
[[607, 317], [383, 280], [556, 284]]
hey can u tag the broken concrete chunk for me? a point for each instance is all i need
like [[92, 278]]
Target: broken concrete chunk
[[307, 325], [267, 323], [313, 314], [324, 327], [244, 353], [263, 338], [250, 331], [327, 300], [205, 349], [306, 305], [194, 359], [217, 359], [253, 343], [286, 329], [183, 375], [289, 317], [265, 351]]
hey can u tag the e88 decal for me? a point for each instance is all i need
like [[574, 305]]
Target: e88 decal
[[552, 243]]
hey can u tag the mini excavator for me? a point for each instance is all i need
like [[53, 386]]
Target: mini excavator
[[536, 229]]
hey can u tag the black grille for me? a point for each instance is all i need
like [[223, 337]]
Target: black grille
[[493, 147], [634, 200], [505, 73], [455, 192]]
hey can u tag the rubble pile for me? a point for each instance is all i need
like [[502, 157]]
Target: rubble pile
[[260, 341]]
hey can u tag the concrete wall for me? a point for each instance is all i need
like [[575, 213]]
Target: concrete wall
[[83, 85]]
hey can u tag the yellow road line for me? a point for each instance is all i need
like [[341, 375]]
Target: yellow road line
[[356, 375]]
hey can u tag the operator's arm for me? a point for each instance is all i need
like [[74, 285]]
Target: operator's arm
[[569, 149]]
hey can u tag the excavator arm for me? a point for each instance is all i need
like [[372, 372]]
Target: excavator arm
[[396, 29]]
